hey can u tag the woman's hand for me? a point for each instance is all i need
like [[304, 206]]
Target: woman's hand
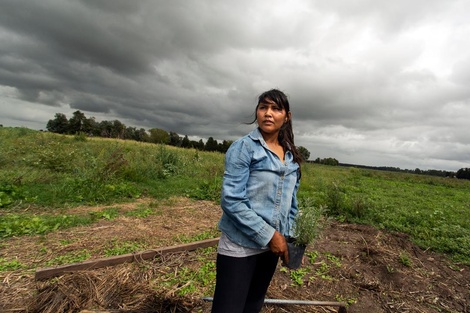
[[278, 246]]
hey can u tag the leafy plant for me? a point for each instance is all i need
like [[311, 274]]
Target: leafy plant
[[297, 276], [10, 265], [119, 248], [323, 271], [14, 224], [309, 221], [208, 190], [312, 256], [107, 214], [202, 236], [347, 301], [405, 259], [194, 279], [8, 194], [142, 212], [72, 257]]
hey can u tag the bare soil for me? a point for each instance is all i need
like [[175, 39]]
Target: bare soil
[[371, 270]]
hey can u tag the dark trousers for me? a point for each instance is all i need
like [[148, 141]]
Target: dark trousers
[[242, 283]]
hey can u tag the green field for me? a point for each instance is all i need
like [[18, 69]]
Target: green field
[[49, 173]]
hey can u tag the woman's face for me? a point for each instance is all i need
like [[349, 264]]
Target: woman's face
[[270, 116]]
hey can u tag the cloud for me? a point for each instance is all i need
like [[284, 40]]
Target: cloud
[[370, 82]]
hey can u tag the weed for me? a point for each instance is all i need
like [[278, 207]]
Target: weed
[[202, 236], [10, 265], [323, 271], [312, 256], [114, 164], [347, 301], [72, 257], [334, 259], [142, 212], [190, 280], [208, 190], [405, 259], [14, 225], [107, 214], [298, 276], [81, 136], [8, 194], [119, 248], [336, 199], [169, 160]]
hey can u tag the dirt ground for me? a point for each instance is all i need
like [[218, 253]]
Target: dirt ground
[[371, 270]]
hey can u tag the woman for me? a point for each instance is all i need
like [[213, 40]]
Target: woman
[[261, 179]]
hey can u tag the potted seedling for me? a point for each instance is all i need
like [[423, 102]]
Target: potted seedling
[[308, 225]]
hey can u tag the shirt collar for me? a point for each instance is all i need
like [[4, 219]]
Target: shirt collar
[[255, 134]]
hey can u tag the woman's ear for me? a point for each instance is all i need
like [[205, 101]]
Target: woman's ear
[[288, 116]]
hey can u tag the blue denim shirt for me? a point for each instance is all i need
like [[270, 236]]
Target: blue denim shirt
[[259, 192]]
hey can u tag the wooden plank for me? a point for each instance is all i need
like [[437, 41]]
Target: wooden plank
[[49, 272]]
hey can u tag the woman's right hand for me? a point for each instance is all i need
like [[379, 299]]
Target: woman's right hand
[[278, 246]]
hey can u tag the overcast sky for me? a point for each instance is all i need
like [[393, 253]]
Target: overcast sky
[[380, 83]]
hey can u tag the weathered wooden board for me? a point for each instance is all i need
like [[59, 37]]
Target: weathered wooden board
[[49, 272]]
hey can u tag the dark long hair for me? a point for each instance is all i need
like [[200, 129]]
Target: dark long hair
[[286, 134]]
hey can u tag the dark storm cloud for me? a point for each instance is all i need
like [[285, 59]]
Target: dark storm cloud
[[371, 82]]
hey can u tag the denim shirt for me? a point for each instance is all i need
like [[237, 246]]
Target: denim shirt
[[259, 192]]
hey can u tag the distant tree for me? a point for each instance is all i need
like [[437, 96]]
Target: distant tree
[[105, 129], [331, 161], [158, 135], [200, 145], [143, 135], [211, 144], [118, 129], [91, 127], [304, 152], [185, 143], [59, 124], [175, 139], [327, 161], [224, 145], [76, 122], [130, 133], [463, 173]]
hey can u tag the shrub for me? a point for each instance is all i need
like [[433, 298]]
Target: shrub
[[309, 221]]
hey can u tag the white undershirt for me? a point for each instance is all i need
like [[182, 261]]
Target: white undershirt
[[229, 248]]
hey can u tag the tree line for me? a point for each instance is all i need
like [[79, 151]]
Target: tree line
[[80, 124], [463, 173]]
